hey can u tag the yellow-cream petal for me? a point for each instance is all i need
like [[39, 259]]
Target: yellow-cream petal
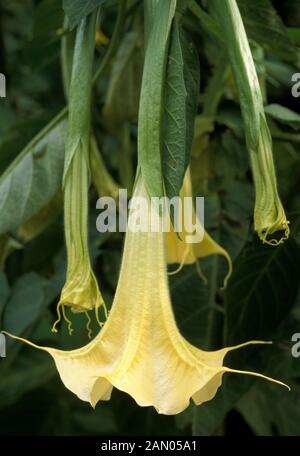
[[182, 253], [140, 349]]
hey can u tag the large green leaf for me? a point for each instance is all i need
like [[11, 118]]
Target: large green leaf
[[181, 102], [191, 314], [15, 138], [264, 25], [206, 419], [270, 410], [76, 10], [191, 72], [262, 290], [44, 46], [32, 180], [174, 131], [25, 303], [29, 372], [284, 115]]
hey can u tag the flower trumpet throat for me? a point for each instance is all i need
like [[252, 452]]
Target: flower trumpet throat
[[140, 350], [183, 253]]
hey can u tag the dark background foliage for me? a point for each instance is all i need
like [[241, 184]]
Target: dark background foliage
[[262, 298]]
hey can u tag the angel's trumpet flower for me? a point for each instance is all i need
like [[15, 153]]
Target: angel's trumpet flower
[[140, 350], [183, 253]]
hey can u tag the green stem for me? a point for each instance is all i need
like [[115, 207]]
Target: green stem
[[208, 22], [287, 137], [67, 47], [35, 141], [215, 89], [114, 40], [149, 14], [76, 172]]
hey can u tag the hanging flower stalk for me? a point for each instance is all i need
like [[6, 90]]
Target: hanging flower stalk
[[80, 291], [269, 215], [140, 350], [181, 252]]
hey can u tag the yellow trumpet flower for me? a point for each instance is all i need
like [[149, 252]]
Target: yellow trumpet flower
[[140, 350], [183, 253]]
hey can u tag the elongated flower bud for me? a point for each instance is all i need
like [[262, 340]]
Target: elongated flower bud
[[80, 291], [269, 215]]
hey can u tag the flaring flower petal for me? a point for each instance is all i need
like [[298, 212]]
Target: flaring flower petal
[[140, 350]]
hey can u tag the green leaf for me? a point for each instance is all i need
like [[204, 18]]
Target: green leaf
[[207, 418], [44, 46], [283, 114], [46, 31], [123, 94], [181, 102], [76, 10], [30, 371], [42, 219], [152, 98], [8, 245], [33, 178], [265, 26], [206, 20], [270, 410], [4, 293], [191, 314], [261, 292], [191, 72], [101, 422], [174, 130], [25, 303], [15, 138]]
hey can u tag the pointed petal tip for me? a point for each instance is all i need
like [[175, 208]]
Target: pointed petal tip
[[93, 404], [28, 342], [257, 374], [262, 342]]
